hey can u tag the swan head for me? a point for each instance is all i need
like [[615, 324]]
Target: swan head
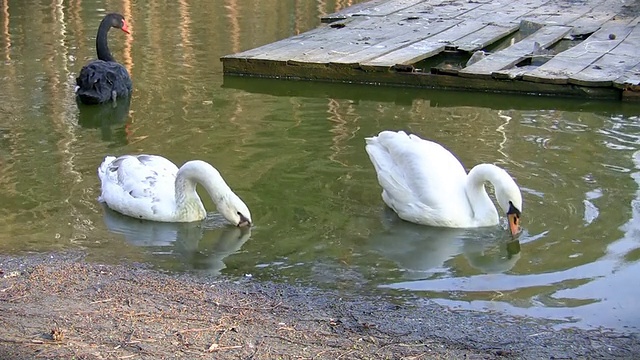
[[510, 200], [117, 21], [235, 211]]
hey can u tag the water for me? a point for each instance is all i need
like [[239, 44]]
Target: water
[[295, 153]]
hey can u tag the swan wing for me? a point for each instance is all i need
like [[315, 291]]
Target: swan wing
[[421, 180], [99, 79], [141, 186]]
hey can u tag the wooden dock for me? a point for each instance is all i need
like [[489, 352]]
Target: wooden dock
[[581, 48]]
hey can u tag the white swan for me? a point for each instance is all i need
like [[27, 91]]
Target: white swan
[[151, 187], [426, 184]]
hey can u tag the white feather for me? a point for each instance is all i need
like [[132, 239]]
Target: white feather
[[425, 183], [151, 187]]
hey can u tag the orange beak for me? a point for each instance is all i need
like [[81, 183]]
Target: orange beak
[[514, 224], [125, 27]]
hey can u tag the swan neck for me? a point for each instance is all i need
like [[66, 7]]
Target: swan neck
[[199, 172], [484, 211], [102, 45]]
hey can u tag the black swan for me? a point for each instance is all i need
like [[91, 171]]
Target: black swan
[[104, 79]]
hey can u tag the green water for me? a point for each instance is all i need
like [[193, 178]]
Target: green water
[[295, 153]]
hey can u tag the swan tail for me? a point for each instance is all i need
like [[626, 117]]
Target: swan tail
[[381, 153], [103, 171], [386, 137]]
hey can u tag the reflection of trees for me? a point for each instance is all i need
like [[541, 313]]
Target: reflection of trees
[[127, 58], [343, 129], [233, 16], [8, 136], [6, 36]]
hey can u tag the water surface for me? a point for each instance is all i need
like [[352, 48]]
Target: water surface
[[295, 153]]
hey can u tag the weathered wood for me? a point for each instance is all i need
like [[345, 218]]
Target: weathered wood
[[397, 42], [571, 61], [593, 20], [354, 32], [514, 73], [388, 41], [562, 12], [341, 74], [617, 61], [376, 8], [629, 79], [360, 9], [515, 53], [445, 10], [604, 71], [475, 20], [485, 36], [425, 48], [265, 50], [413, 24]]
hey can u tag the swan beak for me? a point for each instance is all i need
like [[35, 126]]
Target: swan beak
[[244, 221], [125, 27], [513, 223]]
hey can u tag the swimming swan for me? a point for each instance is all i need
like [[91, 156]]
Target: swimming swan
[[104, 79], [425, 183], [151, 187]]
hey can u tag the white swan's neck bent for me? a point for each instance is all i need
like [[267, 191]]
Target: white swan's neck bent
[[193, 173], [484, 211]]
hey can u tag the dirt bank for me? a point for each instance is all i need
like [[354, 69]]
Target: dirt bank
[[59, 306]]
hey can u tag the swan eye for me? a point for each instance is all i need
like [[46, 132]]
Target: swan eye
[[513, 210]]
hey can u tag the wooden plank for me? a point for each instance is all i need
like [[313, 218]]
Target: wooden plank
[[378, 40], [485, 36], [475, 20], [356, 31], [349, 75], [562, 12], [571, 61], [593, 20], [376, 8], [444, 10], [630, 78], [514, 73], [361, 9], [263, 51], [394, 43], [515, 53], [512, 11], [507, 15], [416, 23], [613, 64], [604, 71], [380, 34], [425, 48]]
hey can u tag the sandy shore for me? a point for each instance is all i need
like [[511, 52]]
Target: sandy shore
[[57, 306]]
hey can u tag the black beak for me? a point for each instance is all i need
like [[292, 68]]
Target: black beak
[[243, 221]]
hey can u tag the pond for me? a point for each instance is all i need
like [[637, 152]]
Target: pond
[[295, 153]]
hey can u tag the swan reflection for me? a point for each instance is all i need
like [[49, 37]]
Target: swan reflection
[[110, 118], [201, 245], [421, 251]]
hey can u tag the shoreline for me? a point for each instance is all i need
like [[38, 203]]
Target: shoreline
[[58, 305]]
